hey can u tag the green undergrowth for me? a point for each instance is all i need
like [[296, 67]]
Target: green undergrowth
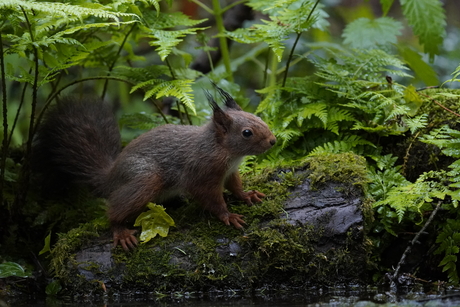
[[201, 252]]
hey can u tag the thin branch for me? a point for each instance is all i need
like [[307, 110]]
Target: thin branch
[[106, 83], [5, 121], [393, 285], [406, 157], [25, 171], [231, 5], [21, 104], [58, 92], [203, 6], [291, 54], [439, 104]]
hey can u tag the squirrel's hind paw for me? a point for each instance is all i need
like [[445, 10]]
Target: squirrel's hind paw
[[125, 237]]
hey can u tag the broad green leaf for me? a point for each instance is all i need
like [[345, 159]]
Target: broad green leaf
[[53, 288], [364, 33], [428, 21], [422, 70], [386, 5], [154, 222], [9, 269], [46, 248], [413, 100]]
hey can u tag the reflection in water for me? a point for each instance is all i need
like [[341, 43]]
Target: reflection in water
[[303, 298]]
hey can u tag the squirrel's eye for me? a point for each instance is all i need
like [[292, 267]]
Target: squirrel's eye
[[247, 133]]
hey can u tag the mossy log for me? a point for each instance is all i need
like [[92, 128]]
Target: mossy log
[[309, 230]]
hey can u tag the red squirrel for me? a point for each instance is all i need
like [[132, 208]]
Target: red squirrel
[[81, 139]]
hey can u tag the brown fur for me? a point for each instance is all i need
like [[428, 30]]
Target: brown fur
[[166, 161]]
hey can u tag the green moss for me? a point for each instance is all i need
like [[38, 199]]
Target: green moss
[[68, 243], [437, 115], [201, 252], [344, 167]]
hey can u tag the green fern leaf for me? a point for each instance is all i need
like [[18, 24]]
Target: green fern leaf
[[165, 41], [455, 74], [447, 139], [346, 144], [318, 109], [164, 38], [286, 17], [286, 136], [182, 89], [417, 123]]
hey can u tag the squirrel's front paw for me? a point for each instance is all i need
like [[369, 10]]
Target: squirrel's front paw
[[125, 237], [234, 219], [253, 197]]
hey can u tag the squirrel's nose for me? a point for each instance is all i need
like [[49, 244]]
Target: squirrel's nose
[[273, 141]]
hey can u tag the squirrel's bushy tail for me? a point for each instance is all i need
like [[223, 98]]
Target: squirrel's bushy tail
[[78, 140]]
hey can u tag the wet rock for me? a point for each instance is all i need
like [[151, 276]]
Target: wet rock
[[330, 208], [99, 255]]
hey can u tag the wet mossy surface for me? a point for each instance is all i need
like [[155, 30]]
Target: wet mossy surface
[[202, 254], [415, 156]]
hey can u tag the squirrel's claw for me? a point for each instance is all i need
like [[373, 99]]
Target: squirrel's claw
[[234, 219], [125, 238], [253, 197]]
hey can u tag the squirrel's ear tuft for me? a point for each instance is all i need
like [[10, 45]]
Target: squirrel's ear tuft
[[228, 100], [222, 120], [215, 107]]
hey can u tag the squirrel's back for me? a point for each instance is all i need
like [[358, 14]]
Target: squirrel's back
[[78, 139]]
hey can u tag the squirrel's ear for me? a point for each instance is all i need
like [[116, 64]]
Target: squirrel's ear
[[220, 118], [229, 101]]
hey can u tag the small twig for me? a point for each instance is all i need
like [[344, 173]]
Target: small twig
[[25, 170], [427, 88], [393, 285], [5, 121], [112, 65], [406, 157], [295, 44], [18, 111], [439, 104], [52, 97]]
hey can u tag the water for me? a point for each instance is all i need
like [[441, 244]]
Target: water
[[304, 298]]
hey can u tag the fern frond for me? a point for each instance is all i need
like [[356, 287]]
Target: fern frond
[[160, 29], [63, 10], [455, 75], [140, 74], [447, 139], [449, 242], [286, 136], [285, 17], [181, 89], [318, 109], [346, 144], [165, 41], [417, 123], [271, 101]]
